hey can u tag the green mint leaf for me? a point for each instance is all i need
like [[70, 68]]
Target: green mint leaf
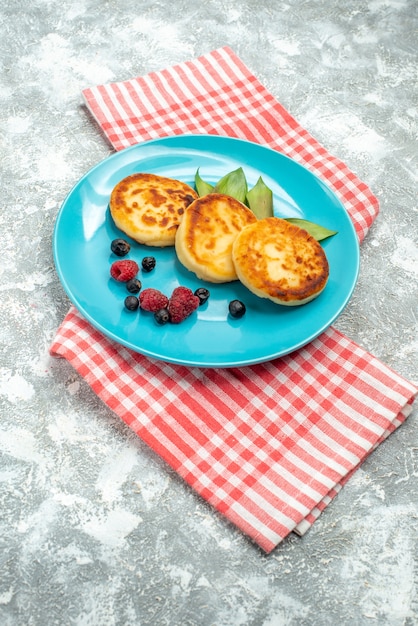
[[260, 200], [233, 184], [317, 231], [202, 187]]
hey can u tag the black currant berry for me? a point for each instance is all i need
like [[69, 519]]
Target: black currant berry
[[162, 317], [120, 247], [148, 263], [236, 308], [203, 294], [134, 285], [131, 303]]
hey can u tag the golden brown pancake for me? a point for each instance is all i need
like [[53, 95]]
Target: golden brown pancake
[[205, 236], [148, 208], [280, 261]]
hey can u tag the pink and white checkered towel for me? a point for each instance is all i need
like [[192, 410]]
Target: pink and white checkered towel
[[267, 445]]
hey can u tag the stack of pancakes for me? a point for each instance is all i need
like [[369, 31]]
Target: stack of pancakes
[[220, 240]]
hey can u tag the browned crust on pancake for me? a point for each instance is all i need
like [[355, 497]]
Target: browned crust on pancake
[[280, 261], [149, 208], [206, 234]]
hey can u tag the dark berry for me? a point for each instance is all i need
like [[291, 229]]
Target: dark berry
[[236, 308], [123, 271], [120, 247], [134, 285], [148, 263], [203, 294], [162, 316], [131, 303]]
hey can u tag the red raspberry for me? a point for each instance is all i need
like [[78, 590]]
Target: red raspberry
[[182, 303], [123, 271], [152, 300], [183, 293]]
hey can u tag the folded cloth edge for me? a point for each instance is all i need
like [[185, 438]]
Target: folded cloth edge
[[125, 126], [237, 61], [66, 347]]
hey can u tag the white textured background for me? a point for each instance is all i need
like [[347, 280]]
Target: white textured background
[[94, 529]]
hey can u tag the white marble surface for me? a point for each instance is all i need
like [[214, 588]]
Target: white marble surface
[[94, 529]]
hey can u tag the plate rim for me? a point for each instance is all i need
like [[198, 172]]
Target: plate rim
[[184, 361]]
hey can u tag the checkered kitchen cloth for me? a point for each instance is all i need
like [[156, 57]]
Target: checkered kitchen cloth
[[268, 445]]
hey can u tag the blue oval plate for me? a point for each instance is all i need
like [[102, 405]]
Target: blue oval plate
[[209, 337]]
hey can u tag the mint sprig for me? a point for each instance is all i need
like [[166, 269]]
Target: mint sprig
[[259, 199], [202, 187], [233, 184], [318, 232]]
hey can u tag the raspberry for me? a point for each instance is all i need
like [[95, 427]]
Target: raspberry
[[183, 293], [152, 300], [123, 271], [182, 303]]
